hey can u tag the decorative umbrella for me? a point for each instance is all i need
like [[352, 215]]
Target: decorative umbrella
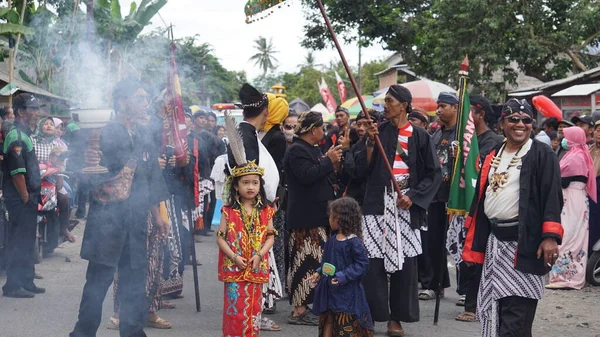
[[353, 106], [424, 94]]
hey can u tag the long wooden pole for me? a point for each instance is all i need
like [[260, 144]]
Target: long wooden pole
[[358, 95]]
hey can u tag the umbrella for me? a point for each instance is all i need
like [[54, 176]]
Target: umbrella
[[353, 106], [424, 93], [322, 109], [298, 105]]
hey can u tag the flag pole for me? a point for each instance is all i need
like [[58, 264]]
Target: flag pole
[[464, 76], [194, 261], [358, 95]]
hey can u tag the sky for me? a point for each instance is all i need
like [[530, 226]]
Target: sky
[[222, 24]]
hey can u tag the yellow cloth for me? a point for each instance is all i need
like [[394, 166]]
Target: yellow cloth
[[278, 111], [163, 212]]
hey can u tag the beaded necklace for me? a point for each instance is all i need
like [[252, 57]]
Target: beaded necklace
[[499, 180], [249, 219]]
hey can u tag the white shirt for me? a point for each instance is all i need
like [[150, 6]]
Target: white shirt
[[503, 204]]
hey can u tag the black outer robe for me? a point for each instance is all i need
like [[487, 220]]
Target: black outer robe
[[540, 206], [109, 226], [424, 170]]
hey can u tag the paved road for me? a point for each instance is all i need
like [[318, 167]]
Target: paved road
[[53, 314]]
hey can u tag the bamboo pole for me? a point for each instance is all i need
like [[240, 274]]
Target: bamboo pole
[[358, 95]]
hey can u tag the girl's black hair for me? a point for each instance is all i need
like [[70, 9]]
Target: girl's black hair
[[232, 200], [346, 212]]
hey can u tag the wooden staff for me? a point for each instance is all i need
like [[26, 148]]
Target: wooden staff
[[358, 95]]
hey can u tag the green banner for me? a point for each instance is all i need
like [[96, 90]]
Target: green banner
[[466, 166]]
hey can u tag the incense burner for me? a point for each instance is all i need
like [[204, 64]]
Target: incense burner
[[92, 121]]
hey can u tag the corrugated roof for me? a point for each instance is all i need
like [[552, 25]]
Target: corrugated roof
[[26, 86], [578, 90], [562, 81]]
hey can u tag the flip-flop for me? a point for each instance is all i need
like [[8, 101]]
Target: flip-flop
[[427, 295], [167, 305], [113, 324], [466, 317], [267, 324], [159, 323]]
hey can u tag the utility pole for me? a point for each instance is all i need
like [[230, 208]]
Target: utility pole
[[360, 87]]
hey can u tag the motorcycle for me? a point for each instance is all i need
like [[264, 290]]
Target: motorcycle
[[48, 226], [592, 271]]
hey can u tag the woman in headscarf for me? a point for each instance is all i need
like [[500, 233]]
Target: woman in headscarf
[[59, 128], [43, 140], [274, 140], [310, 180], [578, 181]]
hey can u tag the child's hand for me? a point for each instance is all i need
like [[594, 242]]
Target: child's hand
[[255, 262], [334, 281], [240, 262], [314, 279]]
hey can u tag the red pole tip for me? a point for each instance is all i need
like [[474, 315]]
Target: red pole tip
[[465, 64]]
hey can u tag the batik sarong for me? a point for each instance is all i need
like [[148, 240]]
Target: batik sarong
[[174, 281], [344, 325], [305, 249], [242, 307], [500, 279], [390, 236]]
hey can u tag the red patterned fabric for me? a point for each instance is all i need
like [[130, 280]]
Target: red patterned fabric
[[242, 309]]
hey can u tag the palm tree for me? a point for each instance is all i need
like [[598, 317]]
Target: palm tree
[[310, 61], [264, 58]]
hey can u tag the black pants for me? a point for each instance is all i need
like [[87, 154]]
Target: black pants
[[433, 263], [22, 230], [131, 292], [516, 316], [210, 211], [468, 281], [82, 196], [402, 298]]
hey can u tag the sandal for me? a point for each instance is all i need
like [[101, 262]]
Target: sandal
[[307, 318], [167, 305], [427, 295], [466, 317], [461, 301], [113, 323], [158, 323], [267, 324]]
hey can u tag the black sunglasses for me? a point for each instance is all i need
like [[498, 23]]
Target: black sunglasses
[[516, 119], [288, 127]]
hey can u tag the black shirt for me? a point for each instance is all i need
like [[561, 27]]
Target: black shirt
[[488, 141], [20, 158], [442, 139]]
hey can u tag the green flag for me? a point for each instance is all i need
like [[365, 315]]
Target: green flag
[[466, 166]]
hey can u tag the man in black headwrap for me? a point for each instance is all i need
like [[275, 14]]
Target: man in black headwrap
[[392, 223], [517, 207], [432, 263]]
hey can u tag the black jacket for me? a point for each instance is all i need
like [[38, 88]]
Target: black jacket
[[424, 170], [540, 206], [274, 141], [308, 175]]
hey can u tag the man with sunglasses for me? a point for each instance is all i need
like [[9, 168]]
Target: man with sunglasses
[[21, 187], [516, 209]]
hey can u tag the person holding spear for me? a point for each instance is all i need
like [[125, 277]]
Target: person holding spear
[[392, 222]]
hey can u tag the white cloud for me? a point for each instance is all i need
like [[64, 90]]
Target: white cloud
[[222, 24]]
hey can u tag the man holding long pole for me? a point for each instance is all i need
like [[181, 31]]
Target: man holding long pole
[[392, 223]]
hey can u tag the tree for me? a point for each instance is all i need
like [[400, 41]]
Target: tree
[[544, 38], [264, 58]]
